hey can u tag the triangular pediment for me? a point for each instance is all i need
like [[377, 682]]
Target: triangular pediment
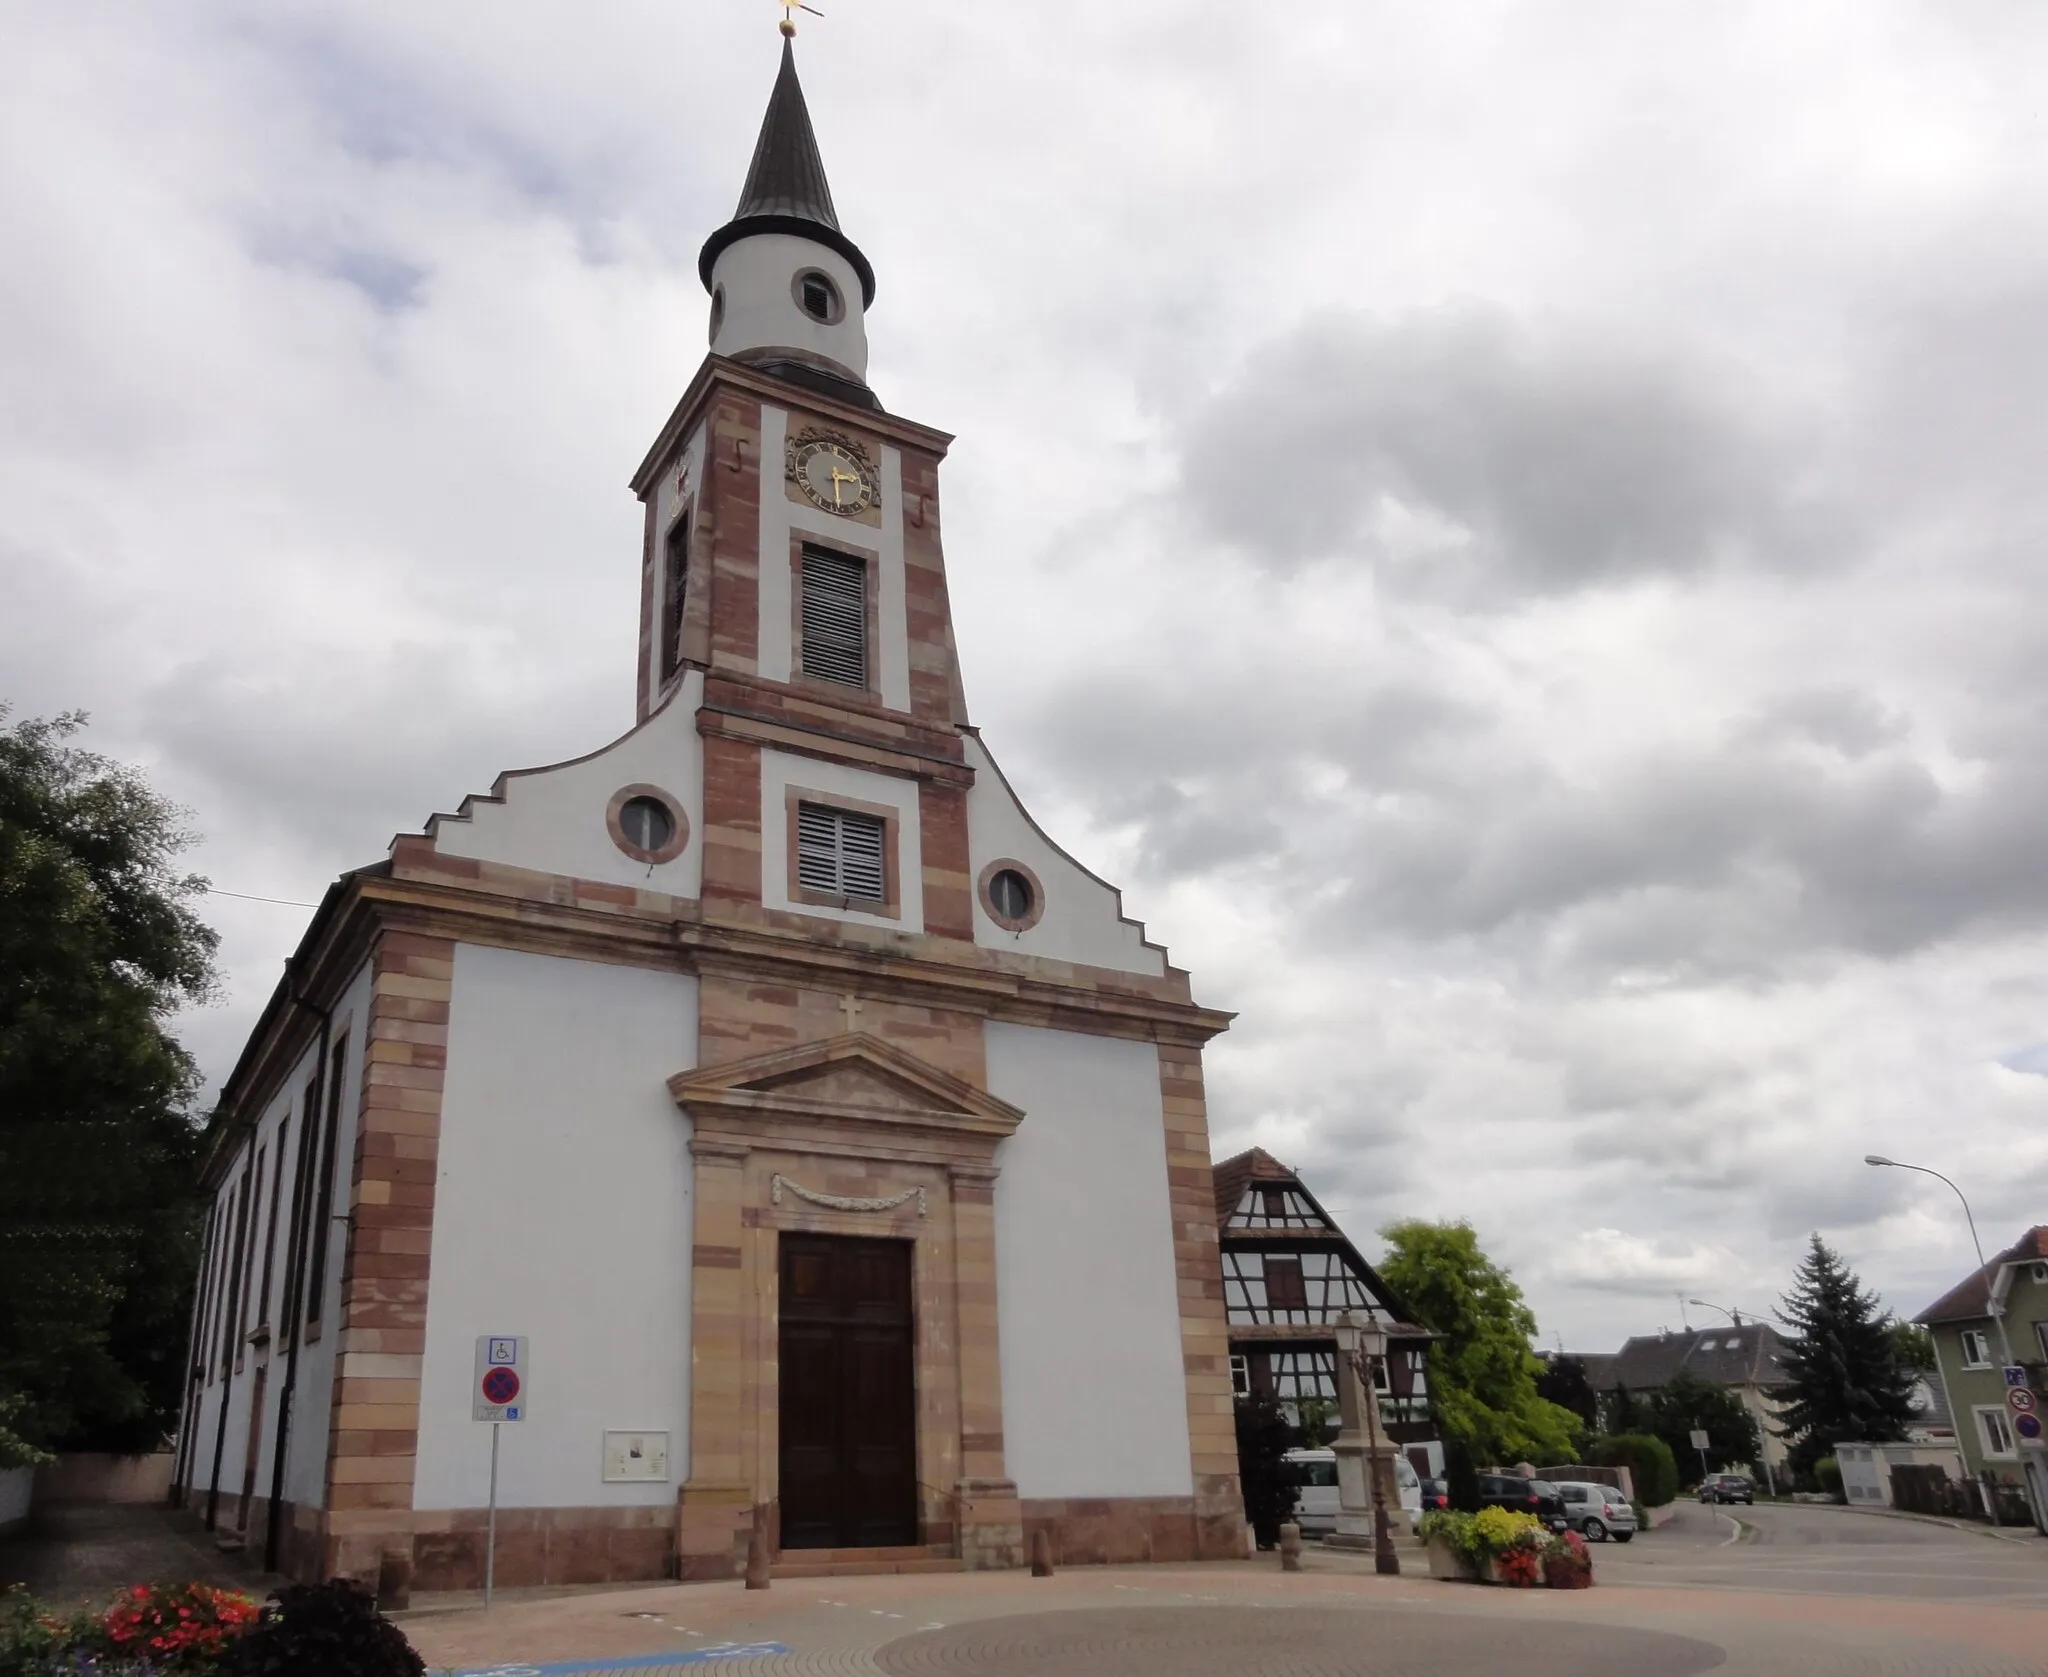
[[854, 1076]]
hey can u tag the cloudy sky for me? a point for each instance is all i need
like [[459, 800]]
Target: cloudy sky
[[1516, 531]]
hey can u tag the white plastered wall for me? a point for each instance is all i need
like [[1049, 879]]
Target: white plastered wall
[[1087, 1303], [563, 1213], [779, 772], [553, 819], [782, 516], [306, 1471], [1083, 920], [761, 310], [305, 1476]]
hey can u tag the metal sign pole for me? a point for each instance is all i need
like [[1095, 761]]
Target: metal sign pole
[[491, 1523]]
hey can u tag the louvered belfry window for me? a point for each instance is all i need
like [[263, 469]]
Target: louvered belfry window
[[839, 852], [835, 617]]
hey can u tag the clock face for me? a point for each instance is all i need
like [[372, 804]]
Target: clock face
[[835, 476]]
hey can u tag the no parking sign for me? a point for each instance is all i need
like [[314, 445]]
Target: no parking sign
[[499, 1391]]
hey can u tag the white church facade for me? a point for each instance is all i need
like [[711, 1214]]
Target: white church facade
[[833, 1141]]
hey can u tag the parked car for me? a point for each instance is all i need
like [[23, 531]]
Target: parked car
[[1599, 1511], [1316, 1502], [1530, 1496], [1727, 1487], [1436, 1495]]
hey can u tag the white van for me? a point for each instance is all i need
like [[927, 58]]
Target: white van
[[1315, 1504]]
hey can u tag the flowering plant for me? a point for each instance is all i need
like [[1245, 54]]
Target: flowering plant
[[1519, 1565], [176, 1628], [1567, 1562], [1495, 1530]]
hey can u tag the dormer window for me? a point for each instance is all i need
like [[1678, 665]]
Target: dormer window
[[818, 297]]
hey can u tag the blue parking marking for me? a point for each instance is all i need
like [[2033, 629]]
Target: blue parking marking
[[630, 1662]]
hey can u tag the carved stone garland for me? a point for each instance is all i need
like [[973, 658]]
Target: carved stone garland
[[842, 1202]]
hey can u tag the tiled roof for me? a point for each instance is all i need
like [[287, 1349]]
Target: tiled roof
[[1238, 1173], [1751, 1355], [1971, 1300]]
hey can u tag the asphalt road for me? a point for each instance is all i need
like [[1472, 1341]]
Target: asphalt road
[[1801, 1549]]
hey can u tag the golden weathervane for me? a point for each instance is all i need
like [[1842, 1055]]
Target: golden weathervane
[[789, 10]]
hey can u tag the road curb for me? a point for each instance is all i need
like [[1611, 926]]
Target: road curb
[[1974, 1528]]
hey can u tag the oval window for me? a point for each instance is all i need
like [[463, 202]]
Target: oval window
[[817, 296], [646, 823], [1012, 895], [717, 312]]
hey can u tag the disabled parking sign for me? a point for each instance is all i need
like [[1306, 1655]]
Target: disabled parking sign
[[499, 1390]]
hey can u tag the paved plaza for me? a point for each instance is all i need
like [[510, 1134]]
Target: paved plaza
[[1775, 1590], [1789, 1590]]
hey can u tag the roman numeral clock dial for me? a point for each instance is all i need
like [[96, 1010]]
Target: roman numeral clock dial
[[833, 474]]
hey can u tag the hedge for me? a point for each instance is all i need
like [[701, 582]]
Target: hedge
[[1648, 1459]]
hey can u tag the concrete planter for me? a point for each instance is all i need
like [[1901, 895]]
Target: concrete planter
[[17, 1487], [1490, 1573], [1445, 1562]]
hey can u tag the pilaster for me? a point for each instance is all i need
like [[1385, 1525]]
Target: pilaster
[[716, 1506], [373, 1433], [1220, 1530]]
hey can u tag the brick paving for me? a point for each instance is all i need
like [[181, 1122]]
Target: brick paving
[[1190, 1621]]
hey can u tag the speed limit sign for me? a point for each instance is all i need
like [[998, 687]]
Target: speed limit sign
[[2020, 1399]]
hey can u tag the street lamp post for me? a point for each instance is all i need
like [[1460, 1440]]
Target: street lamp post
[[1763, 1447], [1991, 1303], [1361, 1343]]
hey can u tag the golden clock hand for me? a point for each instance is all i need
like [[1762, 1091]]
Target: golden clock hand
[[839, 477]]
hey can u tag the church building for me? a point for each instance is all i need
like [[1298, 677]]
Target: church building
[[819, 1143]]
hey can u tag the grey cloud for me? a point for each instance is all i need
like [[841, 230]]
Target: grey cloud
[[1839, 717], [1545, 464], [353, 748], [1712, 858]]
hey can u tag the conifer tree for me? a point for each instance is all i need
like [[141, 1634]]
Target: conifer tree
[[1846, 1380]]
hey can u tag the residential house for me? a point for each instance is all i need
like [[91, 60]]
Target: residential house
[[1747, 1358], [2003, 1305], [1288, 1273]]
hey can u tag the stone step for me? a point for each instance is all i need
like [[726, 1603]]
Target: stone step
[[811, 1565], [887, 1552]]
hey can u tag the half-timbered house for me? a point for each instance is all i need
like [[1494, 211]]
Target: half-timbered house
[[1289, 1272]]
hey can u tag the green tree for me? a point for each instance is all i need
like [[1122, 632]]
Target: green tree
[[1843, 1370], [1914, 1347], [1685, 1402], [1563, 1381], [1482, 1372], [98, 1150], [1624, 1411]]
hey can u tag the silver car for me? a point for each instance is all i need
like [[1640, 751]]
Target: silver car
[[1597, 1511]]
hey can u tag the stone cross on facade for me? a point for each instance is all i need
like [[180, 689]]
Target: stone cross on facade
[[850, 1006]]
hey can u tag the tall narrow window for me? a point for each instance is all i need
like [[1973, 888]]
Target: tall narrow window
[[318, 1213], [835, 617], [840, 852], [249, 1264], [675, 589], [208, 1286], [233, 1278], [284, 1130]]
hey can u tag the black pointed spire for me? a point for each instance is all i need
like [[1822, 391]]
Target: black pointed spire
[[786, 190]]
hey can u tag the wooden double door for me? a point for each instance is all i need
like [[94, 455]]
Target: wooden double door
[[848, 1413]]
